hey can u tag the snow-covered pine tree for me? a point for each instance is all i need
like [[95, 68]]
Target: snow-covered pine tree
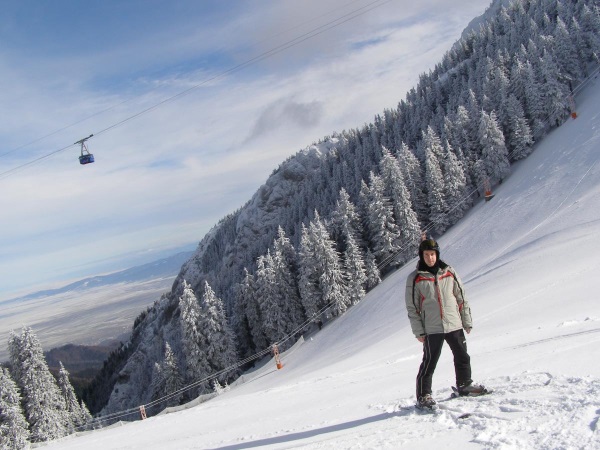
[[372, 270], [542, 18], [455, 184], [344, 220], [436, 199], [268, 299], [283, 245], [494, 153], [465, 135], [45, 408], [172, 377], [412, 174], [534, 101], [220, 346], [14, 354], [321, 278], [308, 282], [404, 215], [381, 229], [517, 76], [520, 139], [432, 141], [249, 298], [566, 53], [564, 10], [286, 286], [280, 306], [14, 433], [473, 109], [78, 413], [583, 52], [85, 413], [354, 267], [332, 284], [556, 93], [157, 386], [495, 89], [197, 366]]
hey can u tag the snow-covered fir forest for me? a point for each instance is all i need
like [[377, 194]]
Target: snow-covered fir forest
[[330, 222], [36, 406]]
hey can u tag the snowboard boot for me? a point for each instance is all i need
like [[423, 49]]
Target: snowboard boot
[[426, 402], [472, 390]]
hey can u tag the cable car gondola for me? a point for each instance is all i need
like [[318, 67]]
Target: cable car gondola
[[86, 157]]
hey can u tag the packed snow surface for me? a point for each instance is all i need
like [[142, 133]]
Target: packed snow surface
[[529, 260]]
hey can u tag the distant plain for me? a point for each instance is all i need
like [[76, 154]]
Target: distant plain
[[94, 316]]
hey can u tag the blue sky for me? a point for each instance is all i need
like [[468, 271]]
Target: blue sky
[[162, 179]]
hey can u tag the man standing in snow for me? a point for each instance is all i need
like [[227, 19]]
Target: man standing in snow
[[438, 311]]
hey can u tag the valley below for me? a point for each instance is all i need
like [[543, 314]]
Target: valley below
[[99, 316]]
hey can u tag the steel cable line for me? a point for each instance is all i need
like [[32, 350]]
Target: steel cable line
[[16, 169], [69, 126], [274, 51]]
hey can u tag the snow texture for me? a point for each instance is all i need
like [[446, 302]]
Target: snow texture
[[529, 260]]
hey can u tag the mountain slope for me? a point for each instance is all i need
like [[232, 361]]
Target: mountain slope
[[164, 267], [528, 259]]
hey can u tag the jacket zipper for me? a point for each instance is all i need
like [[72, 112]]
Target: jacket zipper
[[439, 296]]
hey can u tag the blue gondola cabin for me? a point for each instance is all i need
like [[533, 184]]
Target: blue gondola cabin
[[86, 159]]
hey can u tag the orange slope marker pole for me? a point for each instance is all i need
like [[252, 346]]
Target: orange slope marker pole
[[276, 356]]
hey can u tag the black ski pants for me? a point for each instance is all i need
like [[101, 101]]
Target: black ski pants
[[432, 349]]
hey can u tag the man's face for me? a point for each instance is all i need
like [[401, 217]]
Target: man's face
[[430, 257]]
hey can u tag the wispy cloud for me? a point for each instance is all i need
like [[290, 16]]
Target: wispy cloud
[[287, 113]]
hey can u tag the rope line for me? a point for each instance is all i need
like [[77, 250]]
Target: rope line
[[19, 168]]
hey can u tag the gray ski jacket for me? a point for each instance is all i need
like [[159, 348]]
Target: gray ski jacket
[[437, 304]]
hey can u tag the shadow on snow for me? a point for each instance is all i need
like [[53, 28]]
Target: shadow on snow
[[309, 433]]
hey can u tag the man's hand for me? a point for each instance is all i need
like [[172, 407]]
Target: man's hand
[[421, 339], [468, 330]]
